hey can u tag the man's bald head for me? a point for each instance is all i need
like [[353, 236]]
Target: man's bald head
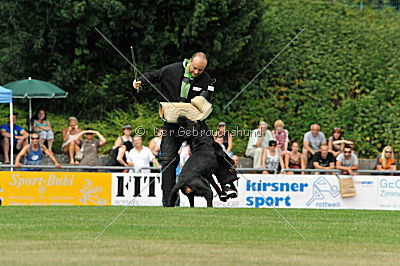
[[198, 63]]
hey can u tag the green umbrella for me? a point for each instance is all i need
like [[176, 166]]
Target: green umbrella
[[33, 88]]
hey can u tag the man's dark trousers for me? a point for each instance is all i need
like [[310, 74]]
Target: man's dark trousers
[[169, 158]]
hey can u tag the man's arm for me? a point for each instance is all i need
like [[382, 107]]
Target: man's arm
[[305, 145], [5, 134], [51, 156], [153, 76], [156, 162]]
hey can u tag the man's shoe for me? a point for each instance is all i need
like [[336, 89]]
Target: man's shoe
[[230, 191]]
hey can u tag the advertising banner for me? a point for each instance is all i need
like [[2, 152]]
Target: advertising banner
[[136, 189], [55, 188]]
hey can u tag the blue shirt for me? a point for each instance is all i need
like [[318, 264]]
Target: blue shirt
[[17, 129]]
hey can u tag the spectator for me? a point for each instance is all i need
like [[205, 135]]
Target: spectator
[[140, 156], [68, 135], [293, 159], [155, 143], [34, 153], [220, 141], [347, 161], [324, 159], [43, 126], [336, 142], [386, 160], [118, 155], [227, 138], [272, 158], [312, 143], [20, 137], [184, 154], [281, 136], [235, 160], [259, 139], [89, 146], [127, 131]]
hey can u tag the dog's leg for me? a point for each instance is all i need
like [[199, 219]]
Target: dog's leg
[[173, 195], [191, 200], [209, 198], [215, 186]]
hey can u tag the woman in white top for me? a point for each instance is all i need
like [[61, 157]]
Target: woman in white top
[[127, 131], [68, 135], [272, 158]]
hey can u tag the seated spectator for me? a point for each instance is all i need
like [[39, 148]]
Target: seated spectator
[[259, 139], [324, 159], [127, 131], [312, 143], [68, 135], [43, 126], [235, 160], [220, 141], [386, 160], [272, 158], [281, 136], [34, 153], [227, 138], [118, 155], [20, 137], [336, 142], [293, 159], [347, 161], [140, 156], [89, 145], [155, 143]]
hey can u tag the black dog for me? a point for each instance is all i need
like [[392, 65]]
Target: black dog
[[207, 159]]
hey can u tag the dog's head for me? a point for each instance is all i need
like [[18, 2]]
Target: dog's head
[[226, 164], [189, 129]]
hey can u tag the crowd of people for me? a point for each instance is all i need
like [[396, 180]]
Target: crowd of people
[[270, 149]]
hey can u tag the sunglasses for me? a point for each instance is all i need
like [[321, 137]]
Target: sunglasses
[[347, 152], [272, 145], [89, 134], [388, 152], [34, 138]]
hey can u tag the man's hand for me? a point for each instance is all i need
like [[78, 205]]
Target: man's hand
[[137, 84], [18, 164], [58, 165], [350, 171]]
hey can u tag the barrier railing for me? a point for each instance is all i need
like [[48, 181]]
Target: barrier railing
[[156, 169]]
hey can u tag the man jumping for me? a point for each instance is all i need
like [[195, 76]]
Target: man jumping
[[181, 82]]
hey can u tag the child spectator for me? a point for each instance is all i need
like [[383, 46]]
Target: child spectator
[[68, 135], [43, 127], [336, 142], [281, 136], [293, 159], [386, 160]]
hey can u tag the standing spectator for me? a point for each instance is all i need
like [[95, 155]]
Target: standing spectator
[[324, 159], [235, 160], [386, 160], [127, 131], [34, 154], [227, 138], [220, 141], [20, 137], [312, 143], [140, 156], [43, 126], [68, 135], [336, 142], [272, 158], [259, 139], [155, 143], [347, 161], [184, 154], [89, 145], [293, 159], [281, 136]]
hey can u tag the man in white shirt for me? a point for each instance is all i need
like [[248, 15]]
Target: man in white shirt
[[140, 156], [259, 138]]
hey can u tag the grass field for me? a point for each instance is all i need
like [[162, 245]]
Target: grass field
[[183, 236]]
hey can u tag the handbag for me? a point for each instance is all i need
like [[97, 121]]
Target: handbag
[[79, 154]]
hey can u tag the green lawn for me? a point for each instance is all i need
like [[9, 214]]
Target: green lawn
[[183, 236]]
